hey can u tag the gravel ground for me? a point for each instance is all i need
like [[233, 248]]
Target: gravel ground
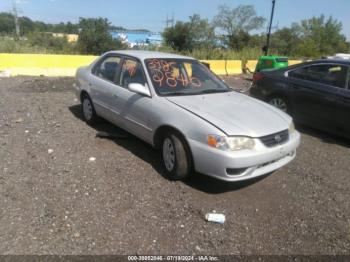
[[62, 203]]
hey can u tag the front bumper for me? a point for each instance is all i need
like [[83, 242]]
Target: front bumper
[[243, 165]]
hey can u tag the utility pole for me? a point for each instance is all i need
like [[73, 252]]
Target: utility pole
[[169, 21], [15, 14], [266, 48]]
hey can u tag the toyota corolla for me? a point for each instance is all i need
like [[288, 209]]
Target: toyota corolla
[[180, 107]]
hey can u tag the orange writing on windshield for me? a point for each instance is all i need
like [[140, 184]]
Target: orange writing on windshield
[[171, 74]]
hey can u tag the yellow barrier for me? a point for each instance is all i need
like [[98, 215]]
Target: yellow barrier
[[225, 67], [294, 62], [42, 64], [66, 65], [234, 67], [217, 66], [251, 65]]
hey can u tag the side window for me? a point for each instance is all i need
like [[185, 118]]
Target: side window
[[349, 78], [300, 73], [107, 69], [334, 75], [131, 73]]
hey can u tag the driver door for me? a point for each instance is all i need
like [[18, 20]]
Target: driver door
[[135, 109]]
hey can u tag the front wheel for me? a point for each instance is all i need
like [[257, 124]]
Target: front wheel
[[175, 157], [280, 103]]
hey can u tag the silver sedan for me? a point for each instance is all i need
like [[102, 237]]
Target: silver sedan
[[179, 106]]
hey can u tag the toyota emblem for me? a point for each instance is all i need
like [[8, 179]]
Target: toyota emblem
[[278, 139]]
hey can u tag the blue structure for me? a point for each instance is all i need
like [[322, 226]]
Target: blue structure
[[138, 38]]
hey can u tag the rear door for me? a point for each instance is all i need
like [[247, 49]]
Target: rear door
[[102, 84], [316, 90]]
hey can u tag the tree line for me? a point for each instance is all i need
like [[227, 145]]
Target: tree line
[[231, 30], [94, 34]]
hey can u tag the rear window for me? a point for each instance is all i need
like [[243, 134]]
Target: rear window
[[282, 59]]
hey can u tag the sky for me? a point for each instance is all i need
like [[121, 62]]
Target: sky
[[151, 14]]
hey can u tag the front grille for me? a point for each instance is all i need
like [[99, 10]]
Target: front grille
[[275, 139]]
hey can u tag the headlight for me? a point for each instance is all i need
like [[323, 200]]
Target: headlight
[[291, 128], [234, 143]]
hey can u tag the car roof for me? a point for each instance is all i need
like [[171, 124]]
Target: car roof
[[330, 61], [316, 62], [141, 54]]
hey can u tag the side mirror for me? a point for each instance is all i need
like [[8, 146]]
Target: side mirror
[[139, 89]]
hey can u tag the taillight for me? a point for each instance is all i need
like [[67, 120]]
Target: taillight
[[258, 76]]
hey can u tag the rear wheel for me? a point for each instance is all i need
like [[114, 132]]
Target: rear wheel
[[175, 157], [89, 112]]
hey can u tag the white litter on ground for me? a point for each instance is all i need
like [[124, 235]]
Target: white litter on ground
[[216, 218]]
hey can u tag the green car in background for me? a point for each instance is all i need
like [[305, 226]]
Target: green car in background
[[271, 62]]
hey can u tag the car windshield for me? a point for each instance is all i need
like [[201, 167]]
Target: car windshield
[[176, 77]]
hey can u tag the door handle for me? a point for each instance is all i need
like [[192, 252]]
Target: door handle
[[115, 96], [90, 84]]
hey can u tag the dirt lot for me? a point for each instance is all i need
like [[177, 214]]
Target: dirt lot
[[60, 203]]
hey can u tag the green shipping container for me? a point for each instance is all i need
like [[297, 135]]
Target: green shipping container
[[271, 62]]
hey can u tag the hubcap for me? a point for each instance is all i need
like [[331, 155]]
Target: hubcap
[[279, 103], [87, 109], [168, 154]]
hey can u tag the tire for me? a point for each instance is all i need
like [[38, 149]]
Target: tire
[[88, 109], [176, 157], [281, 103]]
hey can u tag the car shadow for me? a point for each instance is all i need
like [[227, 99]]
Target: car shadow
[[324, 136], [148, 154]]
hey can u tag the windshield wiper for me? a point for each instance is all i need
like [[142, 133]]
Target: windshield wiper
[[177, 94], [212, 91]]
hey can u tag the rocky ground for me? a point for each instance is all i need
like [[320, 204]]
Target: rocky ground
[[55, 201]]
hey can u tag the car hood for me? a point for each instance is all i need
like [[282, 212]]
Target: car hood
[[235, 113]]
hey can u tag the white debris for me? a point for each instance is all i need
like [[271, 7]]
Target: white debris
[[50, 151], [19, 120], [5, 73], [216, 218], [92, 159], [27, 131]]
